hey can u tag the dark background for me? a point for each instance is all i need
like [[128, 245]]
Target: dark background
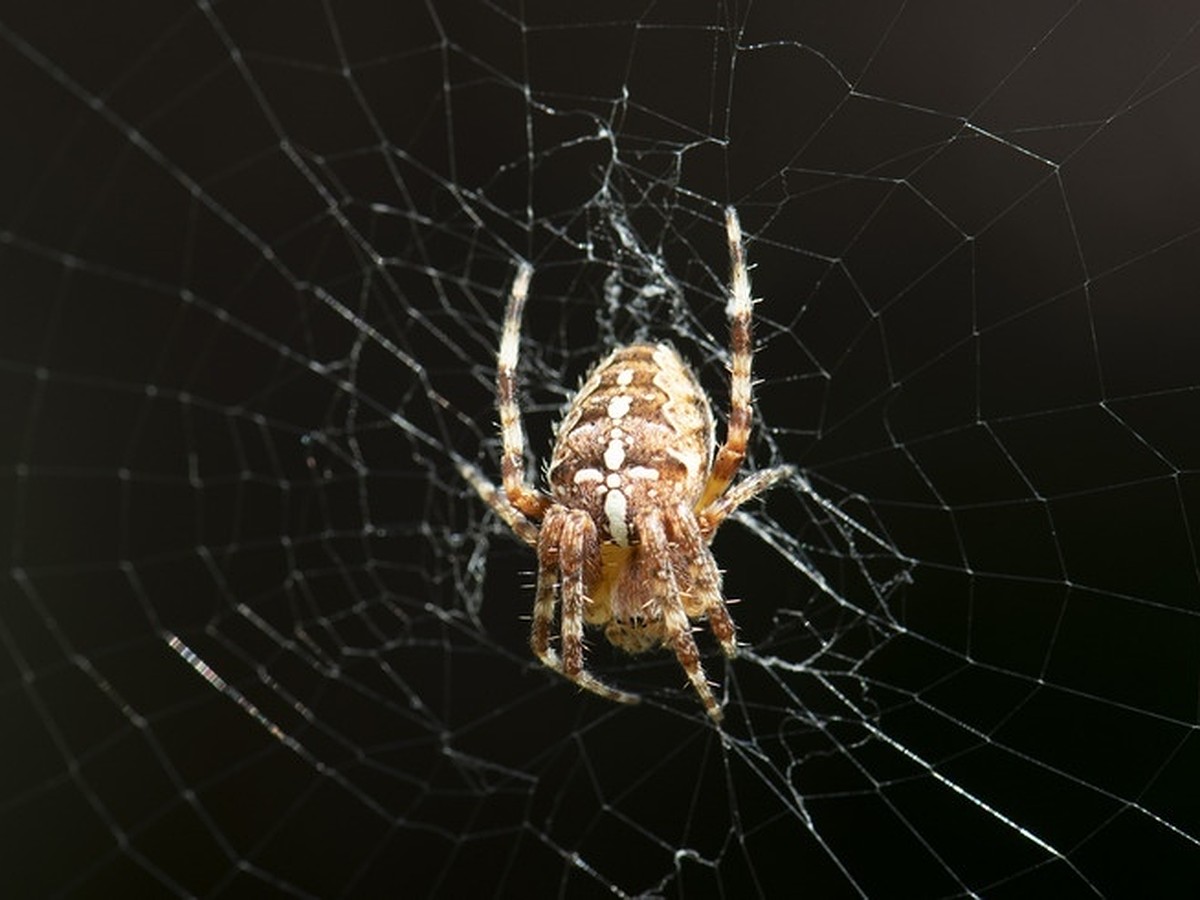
[[253, 258]]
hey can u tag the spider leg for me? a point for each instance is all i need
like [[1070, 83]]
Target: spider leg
[[711, 517], [677, 627], [740, 307], [704, 579], [526, 498], [543, 601], [511, 516], [569, 546]]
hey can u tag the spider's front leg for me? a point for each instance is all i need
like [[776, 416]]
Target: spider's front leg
[[741, 348], [521, 495], [569, 559]]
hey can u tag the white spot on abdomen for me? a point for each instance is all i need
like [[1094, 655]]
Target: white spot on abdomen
[[625, 378], [619, 405], [585, 475], [616, 507], [614, 455]]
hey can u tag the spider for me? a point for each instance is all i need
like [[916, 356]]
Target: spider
[[636, 496]]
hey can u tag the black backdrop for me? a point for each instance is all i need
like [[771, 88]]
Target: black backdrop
[[257, 639]]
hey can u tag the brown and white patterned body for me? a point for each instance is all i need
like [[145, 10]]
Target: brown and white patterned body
[[638, 434], [636, 496], [633, 453]]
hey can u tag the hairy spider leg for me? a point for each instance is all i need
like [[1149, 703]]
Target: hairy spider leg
[[711, 517], [703, 596], [513, 518], [522, 495], [740, 308], [568, 554], [677, 628]]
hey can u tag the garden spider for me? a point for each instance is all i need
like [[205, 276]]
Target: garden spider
[[636, 496]]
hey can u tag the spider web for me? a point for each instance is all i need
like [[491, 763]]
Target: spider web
[[258, 637]]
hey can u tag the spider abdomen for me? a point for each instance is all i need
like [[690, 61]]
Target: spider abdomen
[[639, 434]]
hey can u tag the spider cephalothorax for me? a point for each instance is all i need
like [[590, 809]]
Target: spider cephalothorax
[[636, 496]]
